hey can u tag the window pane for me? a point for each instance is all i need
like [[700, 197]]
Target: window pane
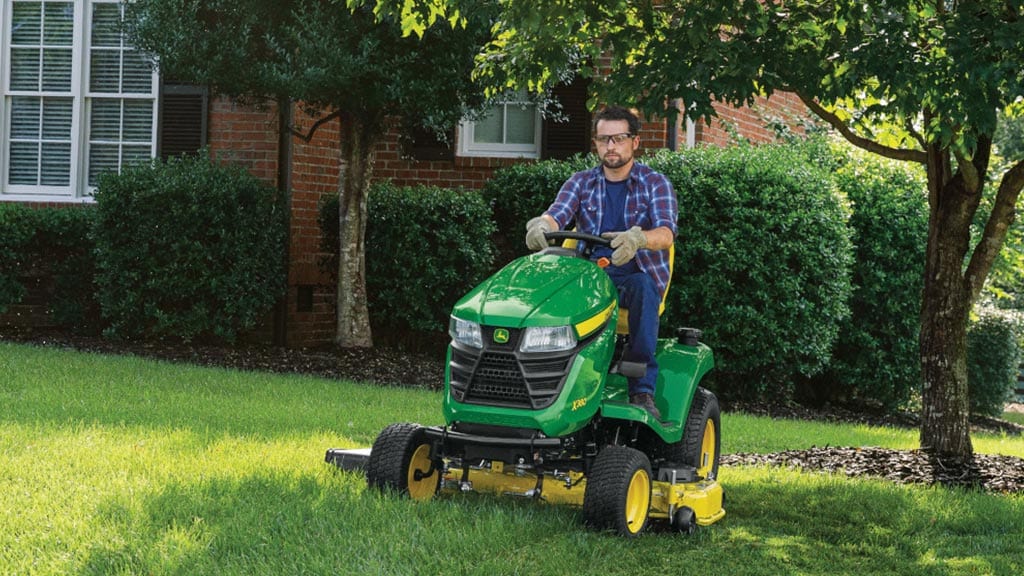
[[105, 71], [56, 164], [25, 69], [102, 158], [24, 167], [138, 121], [136, 155], [105, 120], [106, 18], [57, 70], [26, 23], [59, 24], [57, 119], [138, 73], [521, 123], [25, 117], [487, 130]]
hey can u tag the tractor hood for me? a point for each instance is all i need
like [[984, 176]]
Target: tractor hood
[[542, 289]]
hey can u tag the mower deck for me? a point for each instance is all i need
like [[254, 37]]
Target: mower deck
[[673, 490]]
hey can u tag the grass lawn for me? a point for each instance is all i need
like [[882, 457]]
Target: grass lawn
[[119, 465]]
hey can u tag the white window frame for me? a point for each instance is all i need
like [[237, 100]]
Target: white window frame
[[78, 190], [468, 146]]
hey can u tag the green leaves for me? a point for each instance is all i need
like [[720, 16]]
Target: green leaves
[[188, 249]]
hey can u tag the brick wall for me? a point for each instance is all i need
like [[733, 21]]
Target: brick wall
[[751, 123]]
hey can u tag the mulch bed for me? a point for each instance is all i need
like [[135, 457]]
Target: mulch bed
[[992, 473]]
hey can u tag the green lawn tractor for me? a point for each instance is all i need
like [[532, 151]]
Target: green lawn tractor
[[536, 405]]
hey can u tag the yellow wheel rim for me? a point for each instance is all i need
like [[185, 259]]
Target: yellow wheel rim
[[707, 450], [424, 488], [638, 501]]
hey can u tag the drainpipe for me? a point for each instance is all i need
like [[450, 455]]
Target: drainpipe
[[672, 128], [284, 187]]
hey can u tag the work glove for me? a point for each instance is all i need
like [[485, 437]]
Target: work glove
[[625, 244], [535, 230]]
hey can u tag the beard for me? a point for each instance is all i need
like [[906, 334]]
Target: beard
[[617, 161]]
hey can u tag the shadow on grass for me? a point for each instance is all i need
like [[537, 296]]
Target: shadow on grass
[[777, 523]]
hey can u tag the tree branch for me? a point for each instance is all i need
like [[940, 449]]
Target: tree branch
[[968, 171], [992, 239], [307, 136], [861, 142]]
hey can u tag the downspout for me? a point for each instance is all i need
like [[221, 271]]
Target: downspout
[[672, 128], [284, 187]]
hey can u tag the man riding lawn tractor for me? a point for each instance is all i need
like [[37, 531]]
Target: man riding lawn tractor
[[553, 391]]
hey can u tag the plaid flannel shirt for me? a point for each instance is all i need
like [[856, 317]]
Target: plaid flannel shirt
[[650, 203]]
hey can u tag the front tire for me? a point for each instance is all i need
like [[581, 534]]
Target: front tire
[[618, 492], [400, 460]]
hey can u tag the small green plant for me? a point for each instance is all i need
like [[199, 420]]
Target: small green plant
[[188, 249]]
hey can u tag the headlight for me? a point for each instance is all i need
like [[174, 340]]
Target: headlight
[[548, 339], [465, 332]]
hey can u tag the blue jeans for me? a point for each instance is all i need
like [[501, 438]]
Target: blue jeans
[[639, 295]]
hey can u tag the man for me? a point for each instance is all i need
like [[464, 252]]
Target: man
[[636, 207]]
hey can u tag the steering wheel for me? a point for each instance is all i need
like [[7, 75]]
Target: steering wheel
[[591, 240]]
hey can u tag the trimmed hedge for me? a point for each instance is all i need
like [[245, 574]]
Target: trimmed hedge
[[188, 249], [993, 359], [52, 246], [519, 192], [763, 260], [877, 358], [425, 248]]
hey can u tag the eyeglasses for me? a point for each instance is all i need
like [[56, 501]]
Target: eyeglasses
[[614, 138]]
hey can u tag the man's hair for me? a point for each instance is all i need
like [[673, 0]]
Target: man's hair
[[618, 113]]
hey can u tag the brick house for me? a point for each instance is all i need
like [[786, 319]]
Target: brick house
[[75, 104]]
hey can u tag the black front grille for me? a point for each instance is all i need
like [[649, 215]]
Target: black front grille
[[500, 375]]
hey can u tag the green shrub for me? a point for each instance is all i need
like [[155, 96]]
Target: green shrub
[[188, 249], [521, 191], [52, 246], [876, 358], [762, 264], [425, 248], [993, 358], [15, 232]]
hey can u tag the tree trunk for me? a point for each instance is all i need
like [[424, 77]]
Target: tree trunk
[[359, 133], [947, 301], [944, 401]]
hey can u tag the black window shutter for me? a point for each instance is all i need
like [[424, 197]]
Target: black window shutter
[[423, 144], [572, 136], [183, 119]]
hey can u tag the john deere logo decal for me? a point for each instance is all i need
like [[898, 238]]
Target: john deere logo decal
[[501, 336]]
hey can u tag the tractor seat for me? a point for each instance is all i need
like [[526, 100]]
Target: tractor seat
[[622, 327]]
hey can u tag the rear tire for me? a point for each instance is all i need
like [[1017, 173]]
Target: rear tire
[[400, 461], [702, 437], [703, 423], [618, 492]]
